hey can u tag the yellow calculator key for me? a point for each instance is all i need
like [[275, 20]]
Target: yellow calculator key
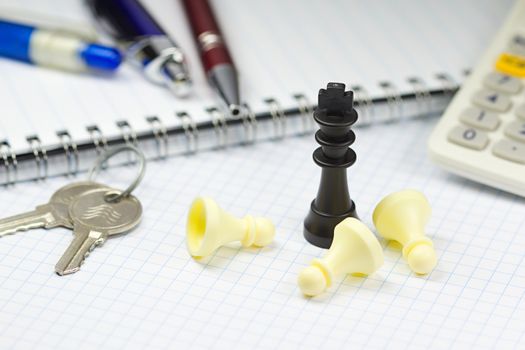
[[511, 65]]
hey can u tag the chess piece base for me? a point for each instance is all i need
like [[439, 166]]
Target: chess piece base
[[322, 223]]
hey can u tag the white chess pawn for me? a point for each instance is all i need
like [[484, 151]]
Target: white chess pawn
[[209, 227], [402, 216], [354, 250]]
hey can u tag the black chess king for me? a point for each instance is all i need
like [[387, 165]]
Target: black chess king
[[335, 115]]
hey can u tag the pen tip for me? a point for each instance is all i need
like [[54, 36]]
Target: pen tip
[[235, 110]]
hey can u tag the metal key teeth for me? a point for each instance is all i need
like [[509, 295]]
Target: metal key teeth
[[13, 231], [95, 244], [23, 222], [10, 233], [69, 270]]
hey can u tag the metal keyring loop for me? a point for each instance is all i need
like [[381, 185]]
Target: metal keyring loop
[[104, 157]]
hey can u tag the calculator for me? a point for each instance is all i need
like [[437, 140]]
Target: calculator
[[481, 135]]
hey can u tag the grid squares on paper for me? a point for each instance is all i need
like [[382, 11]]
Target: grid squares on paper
[[143, 289]]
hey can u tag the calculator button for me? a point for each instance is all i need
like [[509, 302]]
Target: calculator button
[[480, 119], [517, 45], [516, 130], [520, 111], [492, 100], [503, 83], [468, 137], [510, 150], [511, 64]]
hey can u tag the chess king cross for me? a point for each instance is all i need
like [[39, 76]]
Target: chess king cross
[[335, 115]]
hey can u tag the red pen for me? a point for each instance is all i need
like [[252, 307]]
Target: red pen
[[215, 57]]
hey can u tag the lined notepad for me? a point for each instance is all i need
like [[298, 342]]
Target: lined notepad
[[281, 48], [144, 290]]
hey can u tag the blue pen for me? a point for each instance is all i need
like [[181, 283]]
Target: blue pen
[[55, 49], [145, 42]]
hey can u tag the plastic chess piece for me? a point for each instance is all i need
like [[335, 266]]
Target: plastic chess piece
[[402, 216], [335, 114], [209, 227], [355, 250]]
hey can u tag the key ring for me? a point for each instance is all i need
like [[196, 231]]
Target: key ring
[[104, 157]]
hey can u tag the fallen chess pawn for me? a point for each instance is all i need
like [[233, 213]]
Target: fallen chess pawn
[[402, 216], [209, 227], [354, 250]]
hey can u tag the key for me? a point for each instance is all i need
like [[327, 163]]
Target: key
[[94, 220], [479, 118], [516, 131], [510, 150], [517, 45], [520, 111], [468, 137], [502, 83], [52, 214], [491, 100]]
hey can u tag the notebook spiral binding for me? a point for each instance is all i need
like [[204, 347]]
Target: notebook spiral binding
[[99, 141], [10, 162], [394, 101], [278, 117], [249, 122], [40, 155], [70, 151], [161, 136], [221, 126]]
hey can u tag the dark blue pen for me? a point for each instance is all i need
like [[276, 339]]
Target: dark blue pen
[[146, 43]]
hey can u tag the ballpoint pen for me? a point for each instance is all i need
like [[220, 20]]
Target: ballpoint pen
[[54, 48], [215, 57], [145, 41]]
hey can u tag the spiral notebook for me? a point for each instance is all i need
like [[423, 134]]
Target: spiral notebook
[[403, 59]]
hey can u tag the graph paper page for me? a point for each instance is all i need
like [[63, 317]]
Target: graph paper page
[[144, 290]]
